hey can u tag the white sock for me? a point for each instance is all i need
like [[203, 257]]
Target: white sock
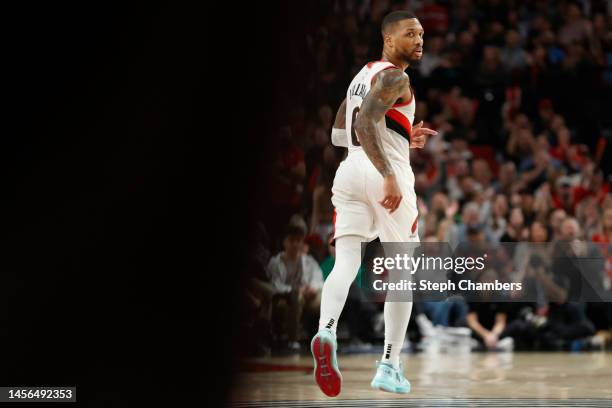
[[337, 284], [397, 316], [391, 353]]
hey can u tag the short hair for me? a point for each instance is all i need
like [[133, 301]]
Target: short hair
[[297, 227], [573, 221], [295, 231], [393, 17]]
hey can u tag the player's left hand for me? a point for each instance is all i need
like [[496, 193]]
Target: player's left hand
[[418, 135]]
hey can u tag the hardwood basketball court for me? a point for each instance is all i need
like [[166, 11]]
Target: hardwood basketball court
[[438, 379]]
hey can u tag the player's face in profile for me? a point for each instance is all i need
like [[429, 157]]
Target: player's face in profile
[[408, 39]]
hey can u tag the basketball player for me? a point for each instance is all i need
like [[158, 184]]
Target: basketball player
[[373, 193]]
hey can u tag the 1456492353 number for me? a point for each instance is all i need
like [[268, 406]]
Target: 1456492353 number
[[40, 393]]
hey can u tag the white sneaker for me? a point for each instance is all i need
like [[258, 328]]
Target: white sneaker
[[506, 344], [389, 379], [425, 326]]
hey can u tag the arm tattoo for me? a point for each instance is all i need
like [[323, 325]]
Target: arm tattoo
[[389, 86], [340, 122]]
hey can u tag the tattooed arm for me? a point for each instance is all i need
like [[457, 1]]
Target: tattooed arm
[[390, 85], [339, 130]]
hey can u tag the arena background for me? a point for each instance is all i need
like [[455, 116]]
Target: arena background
[[519, 92], [145, 162]]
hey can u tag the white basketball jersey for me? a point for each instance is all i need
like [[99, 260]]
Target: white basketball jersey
[[395, 128]]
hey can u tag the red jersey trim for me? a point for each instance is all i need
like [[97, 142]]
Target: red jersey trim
[[401, 119]]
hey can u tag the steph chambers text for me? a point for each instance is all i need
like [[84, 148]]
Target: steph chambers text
[[462, 285]]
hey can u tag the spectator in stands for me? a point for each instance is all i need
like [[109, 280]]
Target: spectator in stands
[[488, 319], [297, 280], [496, 224], [575, 27], [507, 175], [471, 217], [605, 234], [564, 285], [513, 56], [588, 215], [555, 219], [603, 240], [442, 212], [529, 256], [490, 76], [515, 229]]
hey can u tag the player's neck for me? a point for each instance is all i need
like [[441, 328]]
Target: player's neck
[[395, 61]]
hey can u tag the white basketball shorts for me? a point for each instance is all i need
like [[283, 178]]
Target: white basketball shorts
[[357, 190]]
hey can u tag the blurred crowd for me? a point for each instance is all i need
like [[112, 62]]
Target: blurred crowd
[[520, 93]]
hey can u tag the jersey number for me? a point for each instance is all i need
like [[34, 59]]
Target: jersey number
[[354, 138]]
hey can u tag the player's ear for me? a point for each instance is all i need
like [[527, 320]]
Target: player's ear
[[387, 40]]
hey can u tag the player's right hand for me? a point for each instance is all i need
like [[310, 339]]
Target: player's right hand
[[392, 192], [418, 135]]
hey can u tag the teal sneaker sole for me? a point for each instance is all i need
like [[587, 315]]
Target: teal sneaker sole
[[389, 388]]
